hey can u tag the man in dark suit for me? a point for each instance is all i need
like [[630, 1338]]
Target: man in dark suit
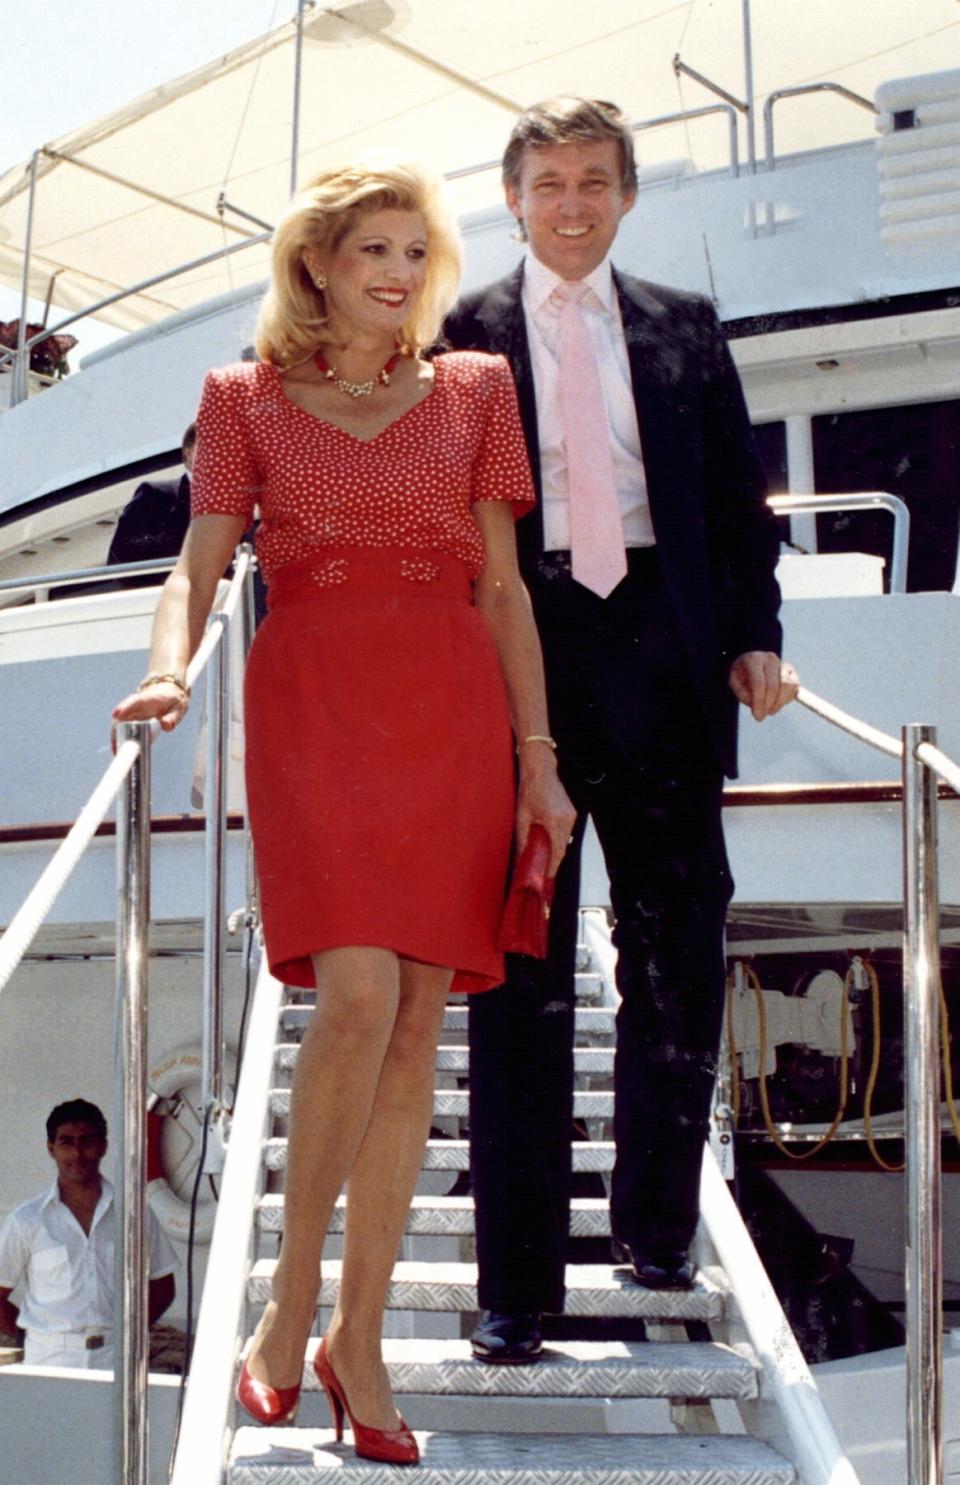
[[154, 521], [637, 431]]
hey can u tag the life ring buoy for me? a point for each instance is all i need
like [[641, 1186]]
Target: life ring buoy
[[174, 1131]]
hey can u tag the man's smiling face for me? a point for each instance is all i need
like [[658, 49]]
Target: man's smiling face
[[570, 199]]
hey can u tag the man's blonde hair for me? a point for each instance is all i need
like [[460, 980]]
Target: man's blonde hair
[[293, 318]]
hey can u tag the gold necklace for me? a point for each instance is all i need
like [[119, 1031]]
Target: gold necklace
[[356, 389]]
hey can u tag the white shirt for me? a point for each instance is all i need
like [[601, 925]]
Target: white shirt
[[68, 1276], [601, 313]]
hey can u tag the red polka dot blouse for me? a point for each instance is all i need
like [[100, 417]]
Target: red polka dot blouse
[[315, 485]]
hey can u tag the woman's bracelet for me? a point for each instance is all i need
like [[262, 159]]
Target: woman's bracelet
[[537, 737], [155, 678]]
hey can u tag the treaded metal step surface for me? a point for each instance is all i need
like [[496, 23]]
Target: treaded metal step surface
[[587, 1155], [590, 1020], [455, 1103], [592, 1289], [586, 1060], [568, 1369], [292, 1456], [448, 1216]]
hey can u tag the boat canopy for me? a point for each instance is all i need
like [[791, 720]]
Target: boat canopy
[[204, 162]]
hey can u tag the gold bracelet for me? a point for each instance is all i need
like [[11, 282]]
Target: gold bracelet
[[155, 678], [537, 737]]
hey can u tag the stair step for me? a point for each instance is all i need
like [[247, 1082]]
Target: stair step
[[449, 1216], [588, 988], [590, 1020], [592, 1289], [301, 1456], [588, 1155], [455, 1103], [572, 1369], [586, 1060]]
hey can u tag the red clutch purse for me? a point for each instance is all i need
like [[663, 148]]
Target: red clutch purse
[[526, 914]]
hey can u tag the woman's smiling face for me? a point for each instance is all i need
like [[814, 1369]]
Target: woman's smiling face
[[376, 273]]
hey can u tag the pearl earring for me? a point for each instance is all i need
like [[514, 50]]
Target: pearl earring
[[320, 281]]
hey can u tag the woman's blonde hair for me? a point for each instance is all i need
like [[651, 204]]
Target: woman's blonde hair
[[293, 318]]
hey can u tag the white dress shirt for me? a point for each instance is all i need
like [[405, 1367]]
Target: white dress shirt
[[601, 313], [67, 1275]]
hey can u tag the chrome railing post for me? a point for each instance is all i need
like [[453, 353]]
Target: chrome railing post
[[921, 985], [215, 842], [132, 1269], [249, 623]]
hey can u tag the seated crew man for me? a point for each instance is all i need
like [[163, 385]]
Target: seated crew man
[[60, 1248], [154, 522]]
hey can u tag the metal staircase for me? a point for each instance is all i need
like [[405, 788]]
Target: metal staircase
[[592, 1412]]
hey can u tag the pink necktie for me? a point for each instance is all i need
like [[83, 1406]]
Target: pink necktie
[[596, 531]]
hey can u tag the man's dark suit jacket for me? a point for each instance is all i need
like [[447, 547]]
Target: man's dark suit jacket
[[716, 538], [152, 524]]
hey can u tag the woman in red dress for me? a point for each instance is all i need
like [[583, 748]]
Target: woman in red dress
[[398, 652]]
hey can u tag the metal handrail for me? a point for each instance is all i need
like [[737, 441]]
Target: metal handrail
[[818, 87], [204, 1430], [131, 1259], [20, 353], [815, 1448], [73, 575], [860, 500], [921, 761], [129, 770]]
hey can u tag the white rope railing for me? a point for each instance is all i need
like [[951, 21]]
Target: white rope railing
[[19, 936], [33, 911], [847, 723], [934, 758], [940, 764]]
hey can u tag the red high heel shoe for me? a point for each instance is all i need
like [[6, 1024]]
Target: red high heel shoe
[[388, 1445], [266, 1404]]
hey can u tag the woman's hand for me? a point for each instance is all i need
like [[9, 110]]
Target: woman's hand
[[543, 800], [182, 608], [163, 701]]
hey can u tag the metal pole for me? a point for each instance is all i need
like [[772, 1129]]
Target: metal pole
[[249, 620], [133, 918], [748, 89], [295, 133], [215, 842], [145, 283], [921, 984], [19, 387]]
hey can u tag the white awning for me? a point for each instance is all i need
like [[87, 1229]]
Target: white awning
[[135, 194]]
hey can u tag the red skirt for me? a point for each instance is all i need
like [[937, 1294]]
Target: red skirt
[[379, 767]]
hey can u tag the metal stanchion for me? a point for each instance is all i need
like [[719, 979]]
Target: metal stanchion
[[921, 983], [132, 1269], [217, 719]]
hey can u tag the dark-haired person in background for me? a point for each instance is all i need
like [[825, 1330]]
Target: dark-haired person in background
[[650, 563], [60, 1248]]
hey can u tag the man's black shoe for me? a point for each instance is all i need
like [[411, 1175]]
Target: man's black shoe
[[507, 1339], [668, 1268]]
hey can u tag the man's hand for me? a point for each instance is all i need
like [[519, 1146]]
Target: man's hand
[[763, 682]]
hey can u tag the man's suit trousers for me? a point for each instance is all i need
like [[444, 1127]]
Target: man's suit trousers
[[633, 755]]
